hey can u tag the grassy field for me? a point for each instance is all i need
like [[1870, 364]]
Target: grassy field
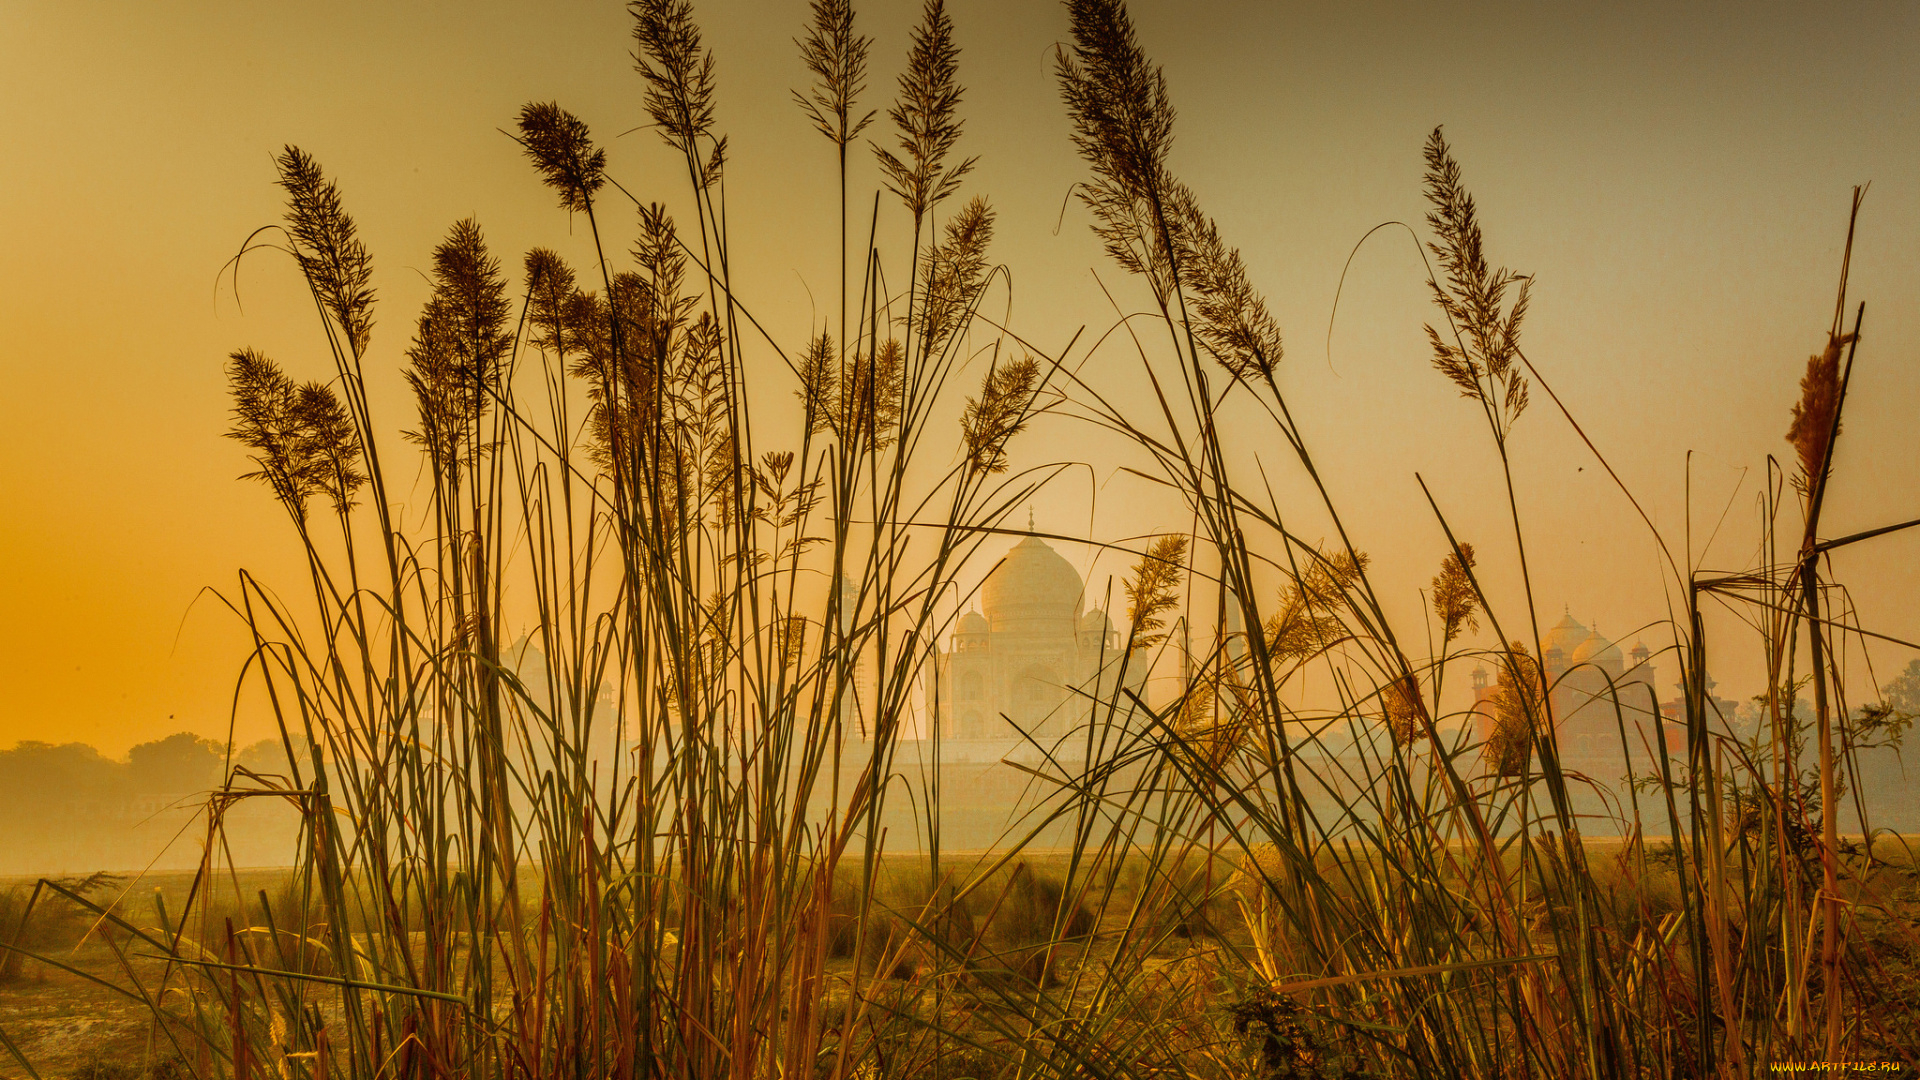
[[1183, 933]]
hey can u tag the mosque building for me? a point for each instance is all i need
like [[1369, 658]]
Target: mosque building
[[1030, 660], [1587, 674]]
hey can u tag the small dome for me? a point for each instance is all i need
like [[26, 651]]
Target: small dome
[[1033, 585], [973, 623], [1596, 650], [1095, 621]]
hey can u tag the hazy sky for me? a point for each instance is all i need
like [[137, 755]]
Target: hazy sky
[[1676, 176]]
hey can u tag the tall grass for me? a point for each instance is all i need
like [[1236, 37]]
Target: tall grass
[[665, 854]]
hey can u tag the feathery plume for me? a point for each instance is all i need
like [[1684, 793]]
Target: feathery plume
[[327, 246], [1405, 710], [710, 173], [1454, 602], [819, 384], [1149, 222], [925, 113], [655, 309], [550, 294], [677, 69], [1518, 710], [328, 445], [856, 399], [789, 636], [1229, 318], [461, 339], [1813, 425], [560, 147], [838, 59], [1195, 719], [954, 274], [1123, 125], [264, 422], [1153, 589], [1480, 351], [875, 396], [1307, 621], [302, 440], [999, 413]]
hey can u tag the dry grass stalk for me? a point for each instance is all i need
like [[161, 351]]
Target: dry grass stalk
[[562, 150], [327, 246], [1153, 589], [927, 116], [1814, 425], [1479, 351], [678, 71], [1455, 602], [1000, 412], [838, 59]]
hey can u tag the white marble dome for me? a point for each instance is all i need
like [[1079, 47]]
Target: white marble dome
[[1033, 589]]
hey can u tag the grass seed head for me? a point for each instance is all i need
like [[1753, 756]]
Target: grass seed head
[[302, 439], [336, 264], [999, 413], [561, 148], [1307, 621], [954, 275], [1814, 423], [1153, 589], [1455, 603], [1405, 710], [838, 59], [927, 116], [458, 347], [678, 71], [550, 292], [1519, 709], [1479, 349]]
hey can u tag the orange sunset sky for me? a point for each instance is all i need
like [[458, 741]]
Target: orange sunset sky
[[1677, 177]]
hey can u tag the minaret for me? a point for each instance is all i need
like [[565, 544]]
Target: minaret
[[1483, 718], [1236, 626], [853, 711]]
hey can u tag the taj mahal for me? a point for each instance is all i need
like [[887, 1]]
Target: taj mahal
[[1588, 675], [1032, 661]]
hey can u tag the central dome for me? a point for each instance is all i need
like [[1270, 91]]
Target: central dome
[[1567, 635], [1032, 589]]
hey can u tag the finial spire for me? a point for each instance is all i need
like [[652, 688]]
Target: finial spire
[[1029, 519]]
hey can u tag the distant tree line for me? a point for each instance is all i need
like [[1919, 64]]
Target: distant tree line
[[71, 809]]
